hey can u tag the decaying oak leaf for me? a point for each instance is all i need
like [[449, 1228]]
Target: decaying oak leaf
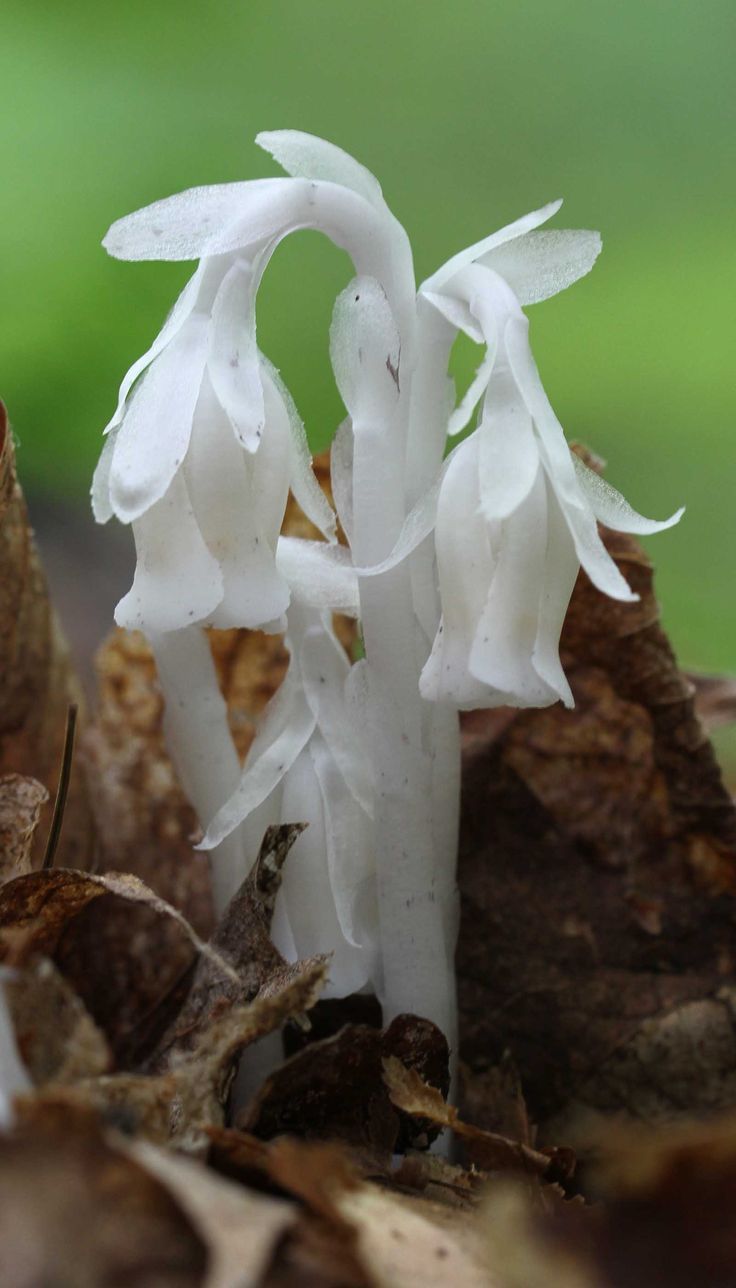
[[715, 698], [334, 1088], [21, 801], [37, 683], [122, 978], [486, 1150], [664, 1215], [598, 879], [144, 822], [56, 1037], [76, 1210], [178, 1106], [240, 1229], [242, 940]]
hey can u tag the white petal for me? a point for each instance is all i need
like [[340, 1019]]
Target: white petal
[[455, 311], [341, 474], [508, 456], [592, 553], [463, 412], [365, 350], [324, 668], [101, 503], [233, 361], [176, 582], [239, 501], [560, 574], [417, 525], [182, 226], [286, 727], [177, 317], [153, 438], [613, 510], [540, 264], [501, 654], [465, 567], [350, 855], [319, 575], [526, 375], [307, 492], [308, 157], [306, 889], [472, 253]]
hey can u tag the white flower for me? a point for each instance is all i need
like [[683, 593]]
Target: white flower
[[308, 764], [517, 512], [14, 1078]]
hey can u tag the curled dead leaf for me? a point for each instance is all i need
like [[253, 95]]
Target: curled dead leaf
[[598, 879], [37, 682], [21, 801]]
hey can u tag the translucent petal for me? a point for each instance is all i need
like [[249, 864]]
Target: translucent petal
[[501, 653], [307, 492], [233, 361], [341, 474], [153, 438], [592, 553], [465, 567], [538, 265], [182, 226], [101, 503], [475, 252], [613, 510], [177, 317], [177, 582], [306, 889], [456, 312], [508, 455], [324, 669], [319, 575], [525, 373], [309, 157], [460, 418], [560, 574], [239, 502], [350, 854], [286, 727], [365, 349]]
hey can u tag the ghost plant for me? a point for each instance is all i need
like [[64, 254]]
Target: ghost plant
[[458, 570]]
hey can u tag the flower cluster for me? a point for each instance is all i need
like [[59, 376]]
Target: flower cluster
[[459, 570]]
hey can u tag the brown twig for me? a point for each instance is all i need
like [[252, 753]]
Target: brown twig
[[63, 787]]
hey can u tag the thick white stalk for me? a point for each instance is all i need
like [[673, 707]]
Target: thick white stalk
[[412, 919], [200, 743]]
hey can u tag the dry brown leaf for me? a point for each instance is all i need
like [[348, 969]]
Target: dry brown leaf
[[37, 683], [334, 1089], [664, 1216], [57, 1039], [715, 698], [144, 821], [598, 878], [75, 1210], [415, 1243], [242, 940], [21, 801], [239, 1228], [123, 978], [486, 1150]]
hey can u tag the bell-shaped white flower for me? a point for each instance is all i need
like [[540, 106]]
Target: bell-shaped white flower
[[517, 512], [307, 763]]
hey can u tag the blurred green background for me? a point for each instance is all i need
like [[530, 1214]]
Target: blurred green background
[[470, 114]]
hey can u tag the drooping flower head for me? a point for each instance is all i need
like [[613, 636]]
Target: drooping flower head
[[517, 512]]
